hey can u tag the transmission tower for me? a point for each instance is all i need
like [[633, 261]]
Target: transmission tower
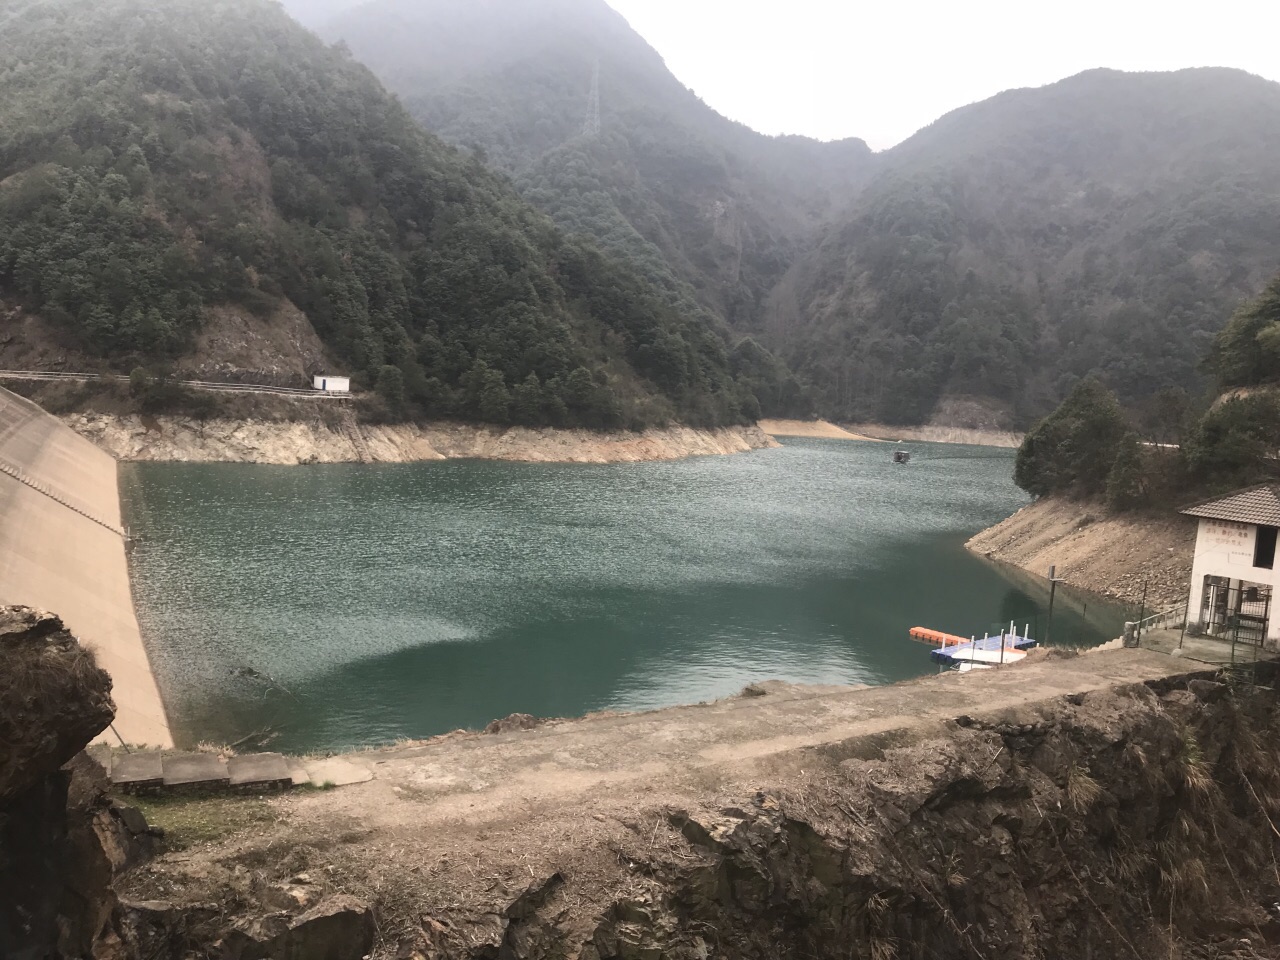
[[592, 127]]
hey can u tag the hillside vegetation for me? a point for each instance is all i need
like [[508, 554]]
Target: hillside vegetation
[[172, 175], [1104, 225], [711, 210], [1086, 449], [160, 161]]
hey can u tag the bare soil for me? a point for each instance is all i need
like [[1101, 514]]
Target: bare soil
[[969, 436], [1117, 556], [816, 429]]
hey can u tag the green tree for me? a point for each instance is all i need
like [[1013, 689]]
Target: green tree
[[390, 387], [1237, 442], [1127, 480], [1247, 351], [1073, 450], [527, 401], [495, 400]]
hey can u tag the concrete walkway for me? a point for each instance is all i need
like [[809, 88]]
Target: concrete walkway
[[61, 550], [1211, 651]]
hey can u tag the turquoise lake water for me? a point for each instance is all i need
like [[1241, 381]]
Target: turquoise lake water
[[346, 605]]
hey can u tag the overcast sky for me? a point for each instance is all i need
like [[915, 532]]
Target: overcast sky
[[881, 70]]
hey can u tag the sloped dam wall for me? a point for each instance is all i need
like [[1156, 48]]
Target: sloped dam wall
[[62, 549]]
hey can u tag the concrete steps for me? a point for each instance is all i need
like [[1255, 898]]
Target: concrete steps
[[173, 772], [155, 771]]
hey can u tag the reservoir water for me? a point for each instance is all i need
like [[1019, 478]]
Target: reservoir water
[[346, 605]]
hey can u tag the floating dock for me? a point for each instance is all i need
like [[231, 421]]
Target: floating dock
[[973, 653]]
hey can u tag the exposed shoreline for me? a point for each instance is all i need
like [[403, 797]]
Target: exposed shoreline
[[968, 436], [313, 441], [1115, 556], [811, 429]]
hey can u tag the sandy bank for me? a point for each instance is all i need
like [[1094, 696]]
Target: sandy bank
[[816, 429], [1114, 556], [315, 441], [939, 434]]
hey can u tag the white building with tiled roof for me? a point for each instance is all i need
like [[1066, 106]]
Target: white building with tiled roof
[[1233, 574]]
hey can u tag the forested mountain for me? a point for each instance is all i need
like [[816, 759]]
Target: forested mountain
[[162, 161], [1106, 224], [162, 165], [698, 201]]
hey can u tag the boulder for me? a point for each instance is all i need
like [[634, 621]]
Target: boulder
[[517, 721], [339, 927], [55, 875], [54, 699]]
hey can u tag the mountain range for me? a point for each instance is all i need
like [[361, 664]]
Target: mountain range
[[689, 267]]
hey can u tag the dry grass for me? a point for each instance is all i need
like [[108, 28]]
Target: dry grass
[[1192, 769], [204, 819], [1082, 790]]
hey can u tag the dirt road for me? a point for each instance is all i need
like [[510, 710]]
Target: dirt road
[[460, 825]]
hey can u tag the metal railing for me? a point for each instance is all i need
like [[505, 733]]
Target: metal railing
[[38, 487], [1173, 617], [209, 385]]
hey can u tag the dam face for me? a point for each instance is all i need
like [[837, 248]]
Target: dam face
[[62, 549]]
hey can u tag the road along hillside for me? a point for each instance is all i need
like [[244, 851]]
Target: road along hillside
[[62, 549]]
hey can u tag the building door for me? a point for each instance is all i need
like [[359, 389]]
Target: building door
[[1237, 610]]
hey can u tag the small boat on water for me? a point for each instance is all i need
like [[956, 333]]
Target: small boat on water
[[902, 456]]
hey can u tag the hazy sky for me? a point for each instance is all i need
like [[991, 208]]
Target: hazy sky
[[881, 70]]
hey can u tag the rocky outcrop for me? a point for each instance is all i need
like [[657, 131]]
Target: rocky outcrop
[[338, 928], [53, 698], [62, 841], [331, 437]]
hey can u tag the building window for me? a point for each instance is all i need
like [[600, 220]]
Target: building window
[[1264, 549]]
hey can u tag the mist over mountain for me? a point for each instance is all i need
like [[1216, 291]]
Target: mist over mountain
[[171, 178], [1106, 224], [710, 208], [166, 170]]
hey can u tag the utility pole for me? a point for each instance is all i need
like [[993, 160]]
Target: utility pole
[[1054, 580], [591, 128]]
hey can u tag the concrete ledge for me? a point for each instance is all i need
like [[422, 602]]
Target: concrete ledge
[[138, 772], [259, 771], [201, 771]]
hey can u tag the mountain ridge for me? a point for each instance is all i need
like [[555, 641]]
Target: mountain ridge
[[1106, 223], [160, 165]]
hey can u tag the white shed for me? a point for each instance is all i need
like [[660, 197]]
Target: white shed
[[1234, 574], [332, 384]]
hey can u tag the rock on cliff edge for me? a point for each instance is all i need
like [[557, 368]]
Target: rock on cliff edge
[[62, 841], [54, 698]]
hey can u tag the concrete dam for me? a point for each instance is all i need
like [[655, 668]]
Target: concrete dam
[[62, 549]]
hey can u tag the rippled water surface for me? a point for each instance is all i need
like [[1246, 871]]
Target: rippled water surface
[[345, 605]]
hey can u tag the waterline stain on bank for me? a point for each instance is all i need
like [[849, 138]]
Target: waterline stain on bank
[[345, 605]]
